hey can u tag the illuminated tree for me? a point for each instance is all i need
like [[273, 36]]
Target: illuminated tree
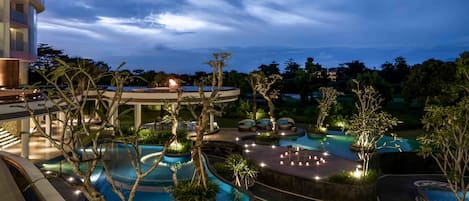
[[328, 98], [448, 143], [369, 124], [264, 86]]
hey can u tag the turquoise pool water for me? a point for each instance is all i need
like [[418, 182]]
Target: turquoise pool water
[[159, 181], [338, 143], [439, 195]]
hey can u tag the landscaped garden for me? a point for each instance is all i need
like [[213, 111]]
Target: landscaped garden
[[326, 144]]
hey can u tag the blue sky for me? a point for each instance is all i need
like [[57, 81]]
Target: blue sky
[[179, 35]]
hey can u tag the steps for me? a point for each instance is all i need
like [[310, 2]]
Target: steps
[[7, 139]]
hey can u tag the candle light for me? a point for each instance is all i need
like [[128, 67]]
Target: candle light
[[281, 155], [300, 163], [292, 163], [307, 163], [281, 162], [315, 158], [317, 163]]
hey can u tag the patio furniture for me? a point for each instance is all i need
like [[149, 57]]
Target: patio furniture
[[264, 124], [285, 123], [247, 125]]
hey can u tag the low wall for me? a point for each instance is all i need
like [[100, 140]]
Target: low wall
[[316, 189], [41, 188]]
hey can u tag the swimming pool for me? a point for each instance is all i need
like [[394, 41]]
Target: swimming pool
[[156, 184], [440, 195], [338, 143]]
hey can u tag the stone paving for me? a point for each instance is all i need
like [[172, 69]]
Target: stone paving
[[269, 156]]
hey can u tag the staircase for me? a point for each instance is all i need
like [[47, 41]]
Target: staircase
[[7, 139]]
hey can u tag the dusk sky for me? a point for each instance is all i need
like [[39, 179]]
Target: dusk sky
[[179, 35]]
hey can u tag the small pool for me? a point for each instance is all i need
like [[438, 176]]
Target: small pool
[[156, 184], [440, 195], [338, 143]]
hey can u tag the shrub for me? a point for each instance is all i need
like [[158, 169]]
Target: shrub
[[348, 178], [223, 170], [267, 138], [187, 191]]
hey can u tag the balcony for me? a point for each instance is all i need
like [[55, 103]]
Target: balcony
[[39, 5], [18, 17]]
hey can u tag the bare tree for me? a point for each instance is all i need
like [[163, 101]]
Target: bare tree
[[328, 98], [215, 81], [264, 87], [78, 141], [369, 124], [448, 143]]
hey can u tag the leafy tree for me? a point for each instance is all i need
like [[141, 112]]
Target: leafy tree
[[291, 67], [462, 71], [369, 124], [372, 78], [270, 69], [264, 86], [46, 61], [354, 68], [396, 72], [431, 82], [328, 98], [448, 143]]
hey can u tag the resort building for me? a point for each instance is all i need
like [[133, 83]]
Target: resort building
[[18, 38]]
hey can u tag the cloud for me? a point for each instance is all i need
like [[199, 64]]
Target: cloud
[[266, 29]]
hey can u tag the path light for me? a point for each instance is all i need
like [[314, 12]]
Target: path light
[[262, 164], [283, 133], [273, 146], [317, 178], [77, 192], [357, 173], [246, 145], [48, 172], [253, 144], [71, 179], [237, 139], [247, 151], [325, 153]]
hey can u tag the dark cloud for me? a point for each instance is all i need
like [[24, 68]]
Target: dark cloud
[[180, 35]]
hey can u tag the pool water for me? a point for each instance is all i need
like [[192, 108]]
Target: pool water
[[158, 182], [439, 195], [338, 143]]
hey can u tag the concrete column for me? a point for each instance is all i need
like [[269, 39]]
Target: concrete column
[[48, 129], [137, 115], [211, 121], [25, 132]]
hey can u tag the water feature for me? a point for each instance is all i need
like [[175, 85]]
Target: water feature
[[153, 187], [338, 143], [440, 195]]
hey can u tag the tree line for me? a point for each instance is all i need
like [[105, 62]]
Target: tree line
[[432, 81]]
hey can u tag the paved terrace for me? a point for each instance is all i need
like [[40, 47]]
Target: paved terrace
[[390, 188]]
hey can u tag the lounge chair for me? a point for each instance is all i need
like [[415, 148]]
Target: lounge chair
[[285, 123], [264, 124], [247, 125]]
